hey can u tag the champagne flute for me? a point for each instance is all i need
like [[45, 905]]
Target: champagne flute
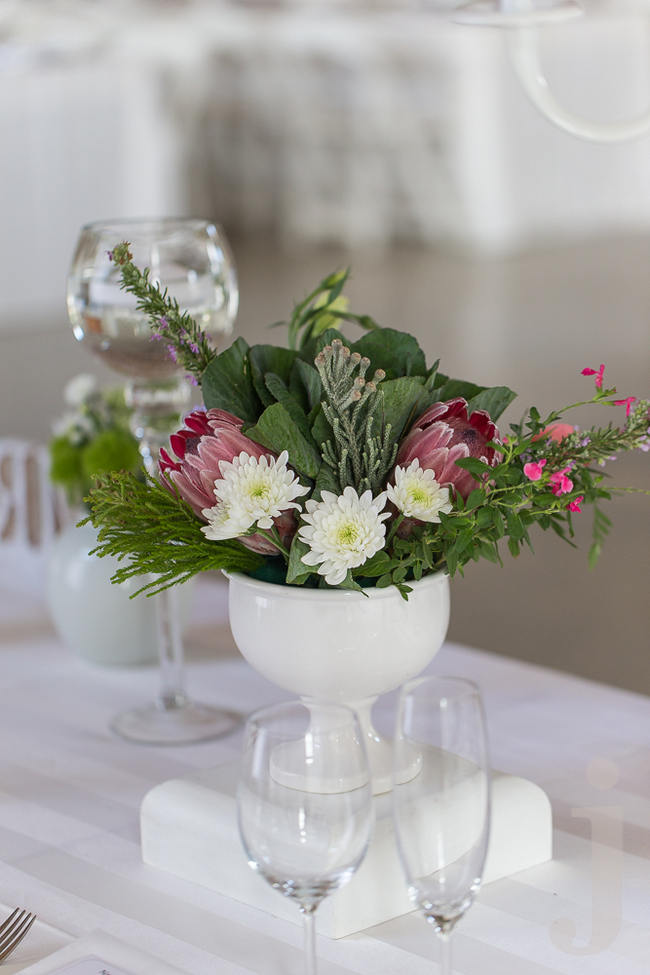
[[304, 838], [442, 816], [192, 259]]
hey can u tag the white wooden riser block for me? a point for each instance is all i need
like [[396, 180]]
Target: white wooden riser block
[[189, 828]]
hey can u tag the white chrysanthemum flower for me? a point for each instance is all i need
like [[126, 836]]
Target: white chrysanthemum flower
[[79, 389], [224, 523], [343, 532], [251, 491], [417, 494]]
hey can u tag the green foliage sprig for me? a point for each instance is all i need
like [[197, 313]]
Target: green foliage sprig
[[324, 308], [157, 534], [360, 453], [186, 342]]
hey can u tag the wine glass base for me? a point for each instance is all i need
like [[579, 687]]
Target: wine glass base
[[525, 13], [193, 722]]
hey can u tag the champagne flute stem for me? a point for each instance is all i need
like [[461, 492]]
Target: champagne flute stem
[[170, 649], [309, 930], [445, 953]]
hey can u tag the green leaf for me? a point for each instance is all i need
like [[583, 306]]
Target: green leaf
[[489, 551], [493, 400], [227, 383], [375, 566], [269, 358], [350, 583], [475, 498], [404, 399], [513, 546], [305, 384], [297, 571], [432, 376], [594, 554], [397, 353], [514, 526], [321, 431], [363, 321], [475, 466], [326, 480], [311, 348], [276, 387], [277, 430], [457, 387]]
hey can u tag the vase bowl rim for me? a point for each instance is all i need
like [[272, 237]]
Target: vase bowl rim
[[331, 595]]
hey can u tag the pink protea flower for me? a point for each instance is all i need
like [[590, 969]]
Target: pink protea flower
[[208, 438], [444, 434]]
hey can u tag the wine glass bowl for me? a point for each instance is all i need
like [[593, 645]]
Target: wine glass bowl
[[306, 844], [189, 257], [442, 815]]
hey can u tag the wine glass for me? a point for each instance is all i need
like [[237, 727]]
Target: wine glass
[[442, 816], [302, 836], [192, 259]]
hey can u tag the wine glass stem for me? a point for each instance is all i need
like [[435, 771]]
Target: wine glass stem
[[170, 650], [445, 953], [309, 929]]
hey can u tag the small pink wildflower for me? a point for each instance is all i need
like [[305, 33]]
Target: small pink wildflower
[[597, 373], [560, 483], [575, 504], [533, 471], [171, 352], [627, 403]]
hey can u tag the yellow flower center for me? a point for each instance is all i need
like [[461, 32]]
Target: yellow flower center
[[417, 495], [259, 491], [347, 534]]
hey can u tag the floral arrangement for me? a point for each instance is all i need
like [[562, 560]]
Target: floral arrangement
[[348, 464], [91, 438]]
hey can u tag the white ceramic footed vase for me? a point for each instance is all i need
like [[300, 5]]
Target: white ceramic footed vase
[[337, 646]]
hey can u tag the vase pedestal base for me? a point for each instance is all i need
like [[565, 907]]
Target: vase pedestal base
[[189, 828]]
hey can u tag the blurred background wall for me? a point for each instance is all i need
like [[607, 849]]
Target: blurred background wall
[[376, 135]]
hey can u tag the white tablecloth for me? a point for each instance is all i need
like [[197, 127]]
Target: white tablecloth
[[70, 795]]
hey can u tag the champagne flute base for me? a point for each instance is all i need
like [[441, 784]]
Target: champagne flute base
[[174, 723]]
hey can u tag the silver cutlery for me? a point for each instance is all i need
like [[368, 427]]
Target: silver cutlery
[[13, 930]]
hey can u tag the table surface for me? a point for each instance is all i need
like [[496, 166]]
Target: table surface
[[70, 794]]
